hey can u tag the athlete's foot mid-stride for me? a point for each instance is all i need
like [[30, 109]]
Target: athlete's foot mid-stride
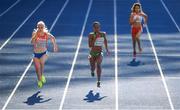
[[39, 40], [97, 40]]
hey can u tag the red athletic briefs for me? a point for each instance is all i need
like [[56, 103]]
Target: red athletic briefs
[[135, 30]]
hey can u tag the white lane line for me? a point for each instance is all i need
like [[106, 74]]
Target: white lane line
[[159, 67], [75, 57], [164, 5], [29, 65], [2, 46], [59, 14], [17, 85], [104, 77], [160, 70], [10, 8], [116, 55]]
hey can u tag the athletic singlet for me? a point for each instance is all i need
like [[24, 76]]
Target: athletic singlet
[[41, 41], [138, 17], [99, 40]]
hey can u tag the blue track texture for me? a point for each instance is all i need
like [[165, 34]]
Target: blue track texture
[[140, 85]]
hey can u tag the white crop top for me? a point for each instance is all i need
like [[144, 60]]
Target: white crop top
[[138, 17]]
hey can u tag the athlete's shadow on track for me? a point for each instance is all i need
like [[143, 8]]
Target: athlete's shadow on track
[[91, 97], [135, 62], [36, 98]]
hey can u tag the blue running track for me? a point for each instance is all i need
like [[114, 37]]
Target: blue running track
[[151, 82]]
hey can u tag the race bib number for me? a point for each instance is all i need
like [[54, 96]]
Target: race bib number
[[41, 43], [99, 41]]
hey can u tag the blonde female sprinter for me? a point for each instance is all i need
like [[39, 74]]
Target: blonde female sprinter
[[39, 40]]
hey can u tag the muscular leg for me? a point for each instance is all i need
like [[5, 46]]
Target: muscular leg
[[92, 64], [42, 62], [138, 40], [134, 46], [37, 67], [99, 61]]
